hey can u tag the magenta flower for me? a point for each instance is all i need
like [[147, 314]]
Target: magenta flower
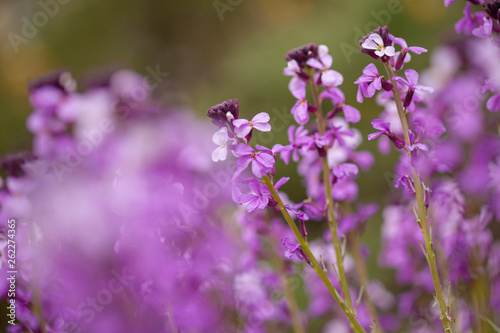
[[484, 30], [328, 77], [493, 103], [470, 20], [243, 127], [370, 82], [414, 143], [301, 109], [294, 249], [262, 162], [404, 56], [337, 97], [411, 83], [298, 138], [277, 149], [257, 198], [345, 170], [384, 129]]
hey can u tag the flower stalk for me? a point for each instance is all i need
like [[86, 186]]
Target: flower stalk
[[422, 212], [332, 221], [314, 263]]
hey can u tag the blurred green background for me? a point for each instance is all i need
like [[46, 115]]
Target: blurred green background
[[213, 51]]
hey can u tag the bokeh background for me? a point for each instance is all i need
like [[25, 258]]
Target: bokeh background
[[212, 51]]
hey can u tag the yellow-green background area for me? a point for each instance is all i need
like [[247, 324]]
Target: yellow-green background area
[[210, 59]]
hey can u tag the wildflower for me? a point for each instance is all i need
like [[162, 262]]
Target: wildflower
[[370, 82], [411, 83], [404, 56], [262, 162], [257, 198], [492, 8], [298, 138], [294, 249], [220, 138], [243, 127], [301, 108], [351, 114], [328, 77], [384, 129], [378, 44]]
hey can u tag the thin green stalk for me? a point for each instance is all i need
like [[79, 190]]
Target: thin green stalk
[[422, 213], [314, 263], [332, 221]]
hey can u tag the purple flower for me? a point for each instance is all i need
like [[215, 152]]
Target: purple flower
[[411, 83], [493, 103], [384, 129], [351, 114], [294, 249], [328, 77], [298, 138], [262, 162], [370, 82], [484, 30], [257, 198], [404, 56], [470, 21], [243, 127], [301, 109], [414, 144], [345, 170], [447, 3]]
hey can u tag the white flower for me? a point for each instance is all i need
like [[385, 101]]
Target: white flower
[[220, 138], [375, 42]]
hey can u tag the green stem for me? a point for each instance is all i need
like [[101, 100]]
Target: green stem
[[422, 213], [332, 222], [314, 263]]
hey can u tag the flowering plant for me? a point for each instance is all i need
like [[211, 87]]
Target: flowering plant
[[119, 220]]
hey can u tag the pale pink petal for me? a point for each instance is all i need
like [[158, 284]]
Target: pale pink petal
[[220, 137], [262, 117], [315, 63], [298, 88], [332, 78], [351, 114]]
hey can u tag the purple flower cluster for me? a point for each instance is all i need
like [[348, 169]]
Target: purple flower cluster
[[127, 237], [485, 25], [453, 146]]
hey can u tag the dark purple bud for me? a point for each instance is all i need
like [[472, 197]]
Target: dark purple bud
[[397, 141], [60, 79], [492, 8], [401, 60], [408, 98], [219, 113], [334, 112], [386, 85], [311, 108], [13, 163], [302, 54]]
